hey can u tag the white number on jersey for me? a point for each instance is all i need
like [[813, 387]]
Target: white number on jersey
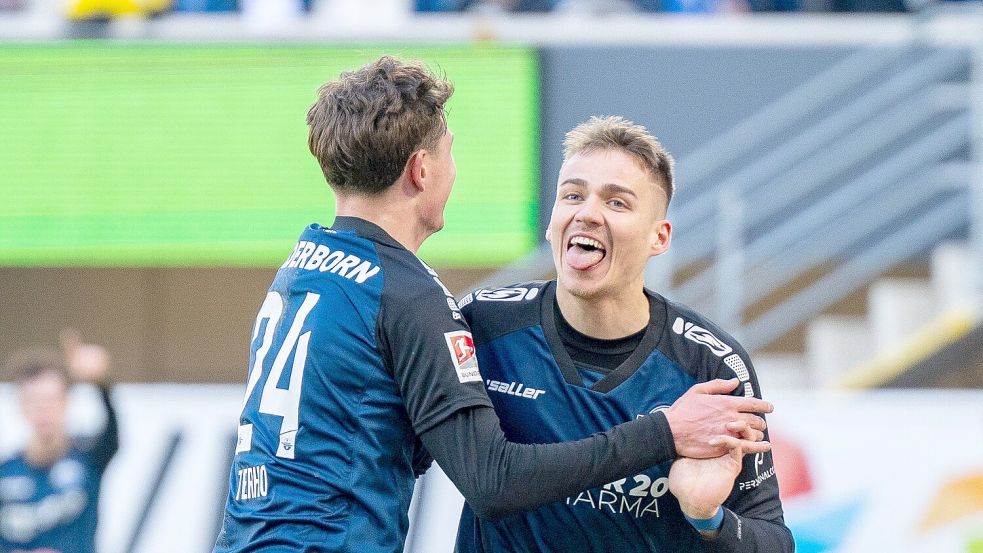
[[277, 401]]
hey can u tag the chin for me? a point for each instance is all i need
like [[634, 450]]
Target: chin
[[580, 288]]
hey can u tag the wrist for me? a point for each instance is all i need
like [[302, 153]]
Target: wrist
[[706, 524]]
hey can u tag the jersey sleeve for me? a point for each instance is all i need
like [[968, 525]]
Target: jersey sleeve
[[102, 447], [753, 517], [431, 355]]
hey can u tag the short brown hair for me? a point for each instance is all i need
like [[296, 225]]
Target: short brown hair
[[364, 126], [28, 364], [618, 133]]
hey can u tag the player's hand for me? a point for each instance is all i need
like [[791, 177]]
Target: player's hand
[[750, 427], [702, 485], [705, 422], [86, 362]]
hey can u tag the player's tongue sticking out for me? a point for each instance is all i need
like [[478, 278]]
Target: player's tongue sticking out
[[583, 253]]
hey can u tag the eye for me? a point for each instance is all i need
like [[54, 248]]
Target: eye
[[617, 204], [572, 196]]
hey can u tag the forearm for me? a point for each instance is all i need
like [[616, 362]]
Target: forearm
[[742, 534], [107, 443], [498, 477]]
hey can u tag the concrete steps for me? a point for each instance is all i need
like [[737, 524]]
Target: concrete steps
[[906, 319]]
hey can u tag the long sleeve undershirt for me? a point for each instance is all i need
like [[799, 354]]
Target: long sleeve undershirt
[[498, 477]]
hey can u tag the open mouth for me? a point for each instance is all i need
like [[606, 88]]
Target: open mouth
[[584, 252]]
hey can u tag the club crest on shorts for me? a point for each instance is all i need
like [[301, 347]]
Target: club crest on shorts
[[461, 346]]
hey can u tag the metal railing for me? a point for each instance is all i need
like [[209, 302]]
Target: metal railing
[[877, 160], [868, 164]]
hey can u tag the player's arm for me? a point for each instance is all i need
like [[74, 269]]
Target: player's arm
[[733, 500], [498, 477], [90, 363], [106, 444], [450, 410]]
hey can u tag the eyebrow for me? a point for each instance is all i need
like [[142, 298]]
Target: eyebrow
[[609, 188]]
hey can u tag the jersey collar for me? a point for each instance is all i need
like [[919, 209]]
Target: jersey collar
[[367, 229], [650, 340]]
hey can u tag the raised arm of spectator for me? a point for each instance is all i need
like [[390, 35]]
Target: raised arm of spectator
[[89, 363]]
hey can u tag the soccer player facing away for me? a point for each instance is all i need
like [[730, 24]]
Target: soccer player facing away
[[360, 356], [49, 492], [567, 358]]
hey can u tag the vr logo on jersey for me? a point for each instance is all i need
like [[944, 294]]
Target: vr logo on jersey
[[701, 335], [461, 346], [518, 293]]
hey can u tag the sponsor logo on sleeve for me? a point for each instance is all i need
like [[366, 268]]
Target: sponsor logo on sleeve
[[517, 293], [701, 335], [461, 346], [760, 473]]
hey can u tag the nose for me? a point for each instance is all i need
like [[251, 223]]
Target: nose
[[589, 213]]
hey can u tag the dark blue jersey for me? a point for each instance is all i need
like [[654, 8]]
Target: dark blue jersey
[[542, 396], [56, 506], [356, 350]]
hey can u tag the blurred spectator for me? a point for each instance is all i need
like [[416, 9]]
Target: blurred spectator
[[614, 6], [89, 10], [206, 5], [868, 6], [11, 5], [485, 5], [49, 492], [237, 5]]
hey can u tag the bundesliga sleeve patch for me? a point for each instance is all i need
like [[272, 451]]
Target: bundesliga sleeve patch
[[461, 346]]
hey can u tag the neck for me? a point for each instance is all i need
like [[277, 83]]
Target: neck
[[43, 451], [392, 214], [605, 317]]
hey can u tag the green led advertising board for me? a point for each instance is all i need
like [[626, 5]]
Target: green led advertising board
[[173, 155]]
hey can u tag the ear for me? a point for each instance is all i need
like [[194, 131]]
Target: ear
[[661, 237], [416, 169]]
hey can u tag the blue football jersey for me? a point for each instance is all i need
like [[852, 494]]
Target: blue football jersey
[[52, 506], [356, 349], [56, 507], [541, 396]]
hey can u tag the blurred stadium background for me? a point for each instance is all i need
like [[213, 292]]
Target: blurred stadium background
[[154, 173]]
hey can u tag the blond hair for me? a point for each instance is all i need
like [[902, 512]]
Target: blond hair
[[618, 133]]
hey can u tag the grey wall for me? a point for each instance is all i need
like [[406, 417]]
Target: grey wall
[[685, 96]]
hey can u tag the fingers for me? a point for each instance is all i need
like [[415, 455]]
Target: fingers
[[747, 446], [737, 427], [85, 362], [747, 420], [720, 387], [745, 431], [753, 421], [747, 404], [753, 435], [717, 386]]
